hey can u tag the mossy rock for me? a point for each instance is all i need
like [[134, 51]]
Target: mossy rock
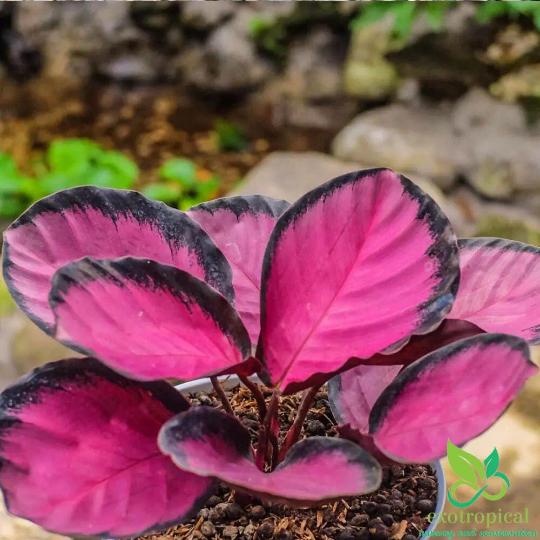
[[503, 227]]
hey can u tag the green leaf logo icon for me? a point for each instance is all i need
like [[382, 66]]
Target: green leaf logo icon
[[492, 463], [474, 474]]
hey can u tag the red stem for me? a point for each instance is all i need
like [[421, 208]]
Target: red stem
[[275, 450], [257, 394], [265, 431], [296, 429], [221, 394]]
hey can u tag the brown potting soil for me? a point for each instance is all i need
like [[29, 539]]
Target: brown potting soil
[[397, 511]]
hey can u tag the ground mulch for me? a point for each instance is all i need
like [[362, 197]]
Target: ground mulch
[[397, 511]]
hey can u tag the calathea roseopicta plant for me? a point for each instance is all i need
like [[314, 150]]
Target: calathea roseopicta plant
[[359, 280]]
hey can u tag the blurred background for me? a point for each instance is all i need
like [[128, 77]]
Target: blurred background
[[188, 101]]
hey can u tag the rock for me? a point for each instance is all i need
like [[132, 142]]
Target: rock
[[265, 530], [346, 534], [208, 529], [314, 66], [230, 532], [227, 64], [425, 506], [154, 16], [406, 139], [30, 20], [325, 115], [315, 427], [249, 531], [257, 512], [447, 64], [426, 483], [367, 74], [524, 82], [123, 66], [283, 534], [359, 520], [288, 175], [475, 210], [477, 109], [511, 44], [498, 163], [273, 11], [379, 532], [233, 511], [12, 528], [213, 500], [502, 227], [206, 15], [73, 35]]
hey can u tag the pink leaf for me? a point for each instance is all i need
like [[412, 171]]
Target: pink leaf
[[104, 224], [500, 287], [447, 332], [211, 443], [454, 393], [353, 393], [352, 268], [147, 320], [240, 227], [79, 454]]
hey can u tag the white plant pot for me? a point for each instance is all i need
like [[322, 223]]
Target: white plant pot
[[230, 381]]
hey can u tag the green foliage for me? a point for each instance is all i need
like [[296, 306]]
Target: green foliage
[[68, 163], [270, 36], [486, 11], [273, 35], [405, 13], [74, 162], [230, 136], [184, 185]]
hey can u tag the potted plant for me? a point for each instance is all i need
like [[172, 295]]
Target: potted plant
[[361, 279]]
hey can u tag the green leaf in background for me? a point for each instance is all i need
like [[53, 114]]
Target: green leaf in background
[[435, 12], [180, 170], [230, 136], [371, 12], [486, 11], [167, 193], [11, 207], [71, 156], [465, 465], [187, 202], [8, 167], [492, 463], [55, 181], [12, 185], [404, 15], [208, 190], [524, 6], [124, 169]]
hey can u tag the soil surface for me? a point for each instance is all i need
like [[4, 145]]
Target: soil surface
[[397, 511]]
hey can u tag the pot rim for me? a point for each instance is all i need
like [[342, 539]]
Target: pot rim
[[228, 381]]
